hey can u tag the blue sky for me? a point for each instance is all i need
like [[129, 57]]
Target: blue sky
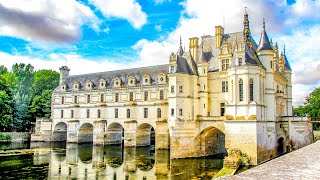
[[101, 35]]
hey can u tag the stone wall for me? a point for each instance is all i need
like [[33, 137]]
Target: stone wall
[[14, 136]]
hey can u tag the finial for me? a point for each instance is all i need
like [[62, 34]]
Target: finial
[[180, 40], [245, 10], [264, 24], [284, 49], [271, 41]]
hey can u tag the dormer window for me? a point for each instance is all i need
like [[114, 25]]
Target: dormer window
[[240, 61], [63, 86], [117, 82], [172, 69], [76, 86], [102, 83], [131, 81], [146, 79], [162, 79], [89, 84]]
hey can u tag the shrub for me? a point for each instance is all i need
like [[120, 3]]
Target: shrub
[[5, 136]]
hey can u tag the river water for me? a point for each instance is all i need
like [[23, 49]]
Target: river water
[[85, 161]]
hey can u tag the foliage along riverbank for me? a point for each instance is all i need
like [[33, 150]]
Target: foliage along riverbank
[[24, 95]]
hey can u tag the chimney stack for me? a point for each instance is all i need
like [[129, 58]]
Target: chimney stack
[[219, 33]]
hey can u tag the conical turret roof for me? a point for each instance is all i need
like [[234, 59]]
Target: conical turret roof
[[264, 43]]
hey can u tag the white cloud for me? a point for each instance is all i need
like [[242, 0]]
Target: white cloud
[[126, 9], [160, 1], [106, 30], [45, 20]]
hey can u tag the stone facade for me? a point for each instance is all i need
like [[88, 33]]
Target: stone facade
[[226, 92]]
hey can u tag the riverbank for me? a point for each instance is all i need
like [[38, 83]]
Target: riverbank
[[14, 136], [303, 163]]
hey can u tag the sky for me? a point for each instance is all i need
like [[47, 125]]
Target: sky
[[101, 35]]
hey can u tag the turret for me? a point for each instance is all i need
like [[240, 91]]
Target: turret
[[265, 50], [64, 73], [180, 50]]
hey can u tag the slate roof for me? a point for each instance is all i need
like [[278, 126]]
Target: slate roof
[[286, 63], [109, 76], [264, 43]]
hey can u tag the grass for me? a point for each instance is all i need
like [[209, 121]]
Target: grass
[[224, 171]]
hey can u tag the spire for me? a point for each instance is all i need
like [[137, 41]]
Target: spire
[[264, 43], [246, 27], [180, 50], [286, 62]]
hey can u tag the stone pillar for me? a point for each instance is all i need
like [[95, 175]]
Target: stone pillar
[[162, 135], [99, 128], [130, 129], [130, 160], [72, 133], [98, 157], [72, 153], [162, 164]]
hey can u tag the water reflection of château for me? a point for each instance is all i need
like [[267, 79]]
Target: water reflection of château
[[85, 161]]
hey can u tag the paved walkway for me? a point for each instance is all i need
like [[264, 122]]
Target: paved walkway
[[300, 164]]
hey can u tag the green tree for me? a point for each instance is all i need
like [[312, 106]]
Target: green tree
[[6, 111], [22, 95], [299, 111], [312, 107], [3, 70], [45, 80], [41, 105]]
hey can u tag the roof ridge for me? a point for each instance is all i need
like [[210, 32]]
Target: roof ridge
[[119, 70]]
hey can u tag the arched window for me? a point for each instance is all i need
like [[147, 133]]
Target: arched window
[[128, 113], [251, 89], [101, 98], [117, 97], [88, 113], [99, 113], [240, 90], [159, 113], [72, 114]]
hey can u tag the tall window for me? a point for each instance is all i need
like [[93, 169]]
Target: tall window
[[180, 112], [161, 94], [159, 113], [101, 98], [99, 113], [145, 113], [240, 61], [222, 109], [224, 86], [88, 113], [61, 113], [172, 89], [62, 100], [271, 64], [128, 113], [172, 69], [145, 95], [75, 100], [116, 113], [224, 64], [251, 89], [131, 96], [72, 114], [172, 112], [180, 89], [241, 90], [117, 97], [88, 98]]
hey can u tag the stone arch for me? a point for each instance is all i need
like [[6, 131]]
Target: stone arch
[[280, 146], [60, 132], [115, 134], [85, 133], [211, 141], [114, 156], [145, 158], [145, 135]]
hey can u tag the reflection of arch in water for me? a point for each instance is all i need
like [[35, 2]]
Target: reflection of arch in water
[[211, 141], [59, 155], [280, 146], [60, 132], [145, 158], [85, 152], [85, 133], [115, 134], [145, 135], [114, 156]]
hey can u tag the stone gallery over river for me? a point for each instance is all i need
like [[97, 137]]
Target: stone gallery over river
[[226, 93]]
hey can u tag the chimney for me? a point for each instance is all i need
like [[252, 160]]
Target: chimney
[[193, 47], [219, 34], [64, 73]]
